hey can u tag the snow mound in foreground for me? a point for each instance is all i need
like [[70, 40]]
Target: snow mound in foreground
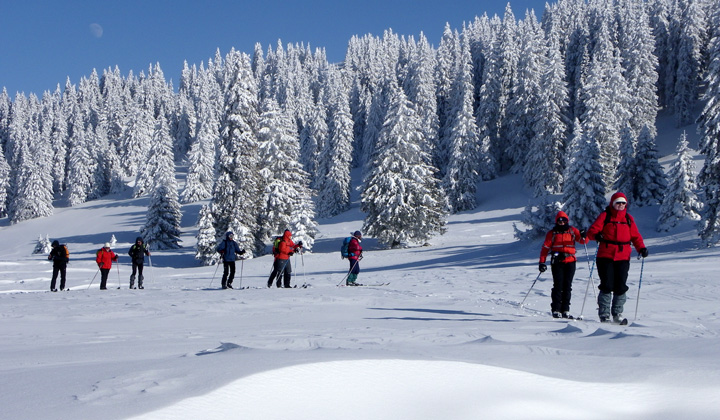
[[407, 389]]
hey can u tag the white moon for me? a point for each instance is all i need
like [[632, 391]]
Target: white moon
[[96, 30]]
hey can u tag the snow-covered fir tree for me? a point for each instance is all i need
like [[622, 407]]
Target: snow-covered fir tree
[[650, 181], [680, 201], [42, 246], [709, 129], [626, 179], [539, 215], [545, 165], [584, 192], [402, 199], [206, 238], [4, 183], [287, 201], [236, 194], [461, 176], [335, 158], [156, 160], [162, 225], [201, 158]]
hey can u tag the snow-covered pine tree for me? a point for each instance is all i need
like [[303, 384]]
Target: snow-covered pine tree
[[543, 171], [162, 224], [402, 198], [525, 101], [639, 63], [688, 50], [709, 129], [336, 156], [236, 194], [206, 238], [539, 216], [155, 161], [43, 245], [488, 112], [680, 200], [420, 88], [626, 178], [4, 183], [461, 176], [113, 241], [80, 163], [312, 139], [287, 201], [201, 172], [584, 192], [650, 180]]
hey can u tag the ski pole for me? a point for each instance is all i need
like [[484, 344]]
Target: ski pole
[[152, 273], [117, 265], [302, 259], [637, 303], [531, 287], [93, 279], [348, 273], [213, 277], [590, 279], [242, 266]]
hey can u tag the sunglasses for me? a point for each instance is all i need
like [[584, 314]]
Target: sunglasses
[[620, 202], [562, 220]]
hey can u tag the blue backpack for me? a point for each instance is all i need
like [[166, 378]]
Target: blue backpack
[[344, 249]]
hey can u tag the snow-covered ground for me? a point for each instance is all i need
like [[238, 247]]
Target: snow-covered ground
[[445, 339]]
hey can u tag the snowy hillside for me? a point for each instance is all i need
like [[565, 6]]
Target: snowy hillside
[[445, 339]]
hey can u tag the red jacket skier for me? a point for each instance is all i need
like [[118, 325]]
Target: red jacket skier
[[616, 232], [281, 265], [104, 258], [560, 243]]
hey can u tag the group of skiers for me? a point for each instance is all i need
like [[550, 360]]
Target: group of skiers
[[104, 258], [615, 231]]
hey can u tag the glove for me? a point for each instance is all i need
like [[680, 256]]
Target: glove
[[300, 244], [599, 236], [542, 267], [100, 265], [644, 252], [583, 233], [242, 252]]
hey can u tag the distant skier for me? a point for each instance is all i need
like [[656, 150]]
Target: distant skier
[[229, 249], [104, 258], [560, 244], [614, 230], [283, 249], [137, 254], [60, 258], [354, 256]]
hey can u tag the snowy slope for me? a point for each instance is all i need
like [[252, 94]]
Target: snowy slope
[[445, 339]]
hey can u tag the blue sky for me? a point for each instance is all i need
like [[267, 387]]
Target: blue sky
[[44, 42]]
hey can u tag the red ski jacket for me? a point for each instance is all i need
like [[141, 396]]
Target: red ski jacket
[[562, 242], [105, 258]]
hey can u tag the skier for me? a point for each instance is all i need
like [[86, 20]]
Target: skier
[[228, 249], [104, 259], [615, 230], [137, 254], [60, 259], [560, 244], [354, 256], [283, 249]]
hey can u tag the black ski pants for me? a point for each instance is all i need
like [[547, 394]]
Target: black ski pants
[[613, 275], [228, 274], [283, 271], [563, 274], [58, 268]]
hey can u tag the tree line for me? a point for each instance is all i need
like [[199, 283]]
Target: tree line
[[271, 138]]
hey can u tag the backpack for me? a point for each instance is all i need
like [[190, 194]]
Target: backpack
[[276, 245], [608, 216], [344, 248], [64, 251]]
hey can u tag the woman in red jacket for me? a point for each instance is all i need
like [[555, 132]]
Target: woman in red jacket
[[282, 250], [104, 259], [615, 231], [560, 244]]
